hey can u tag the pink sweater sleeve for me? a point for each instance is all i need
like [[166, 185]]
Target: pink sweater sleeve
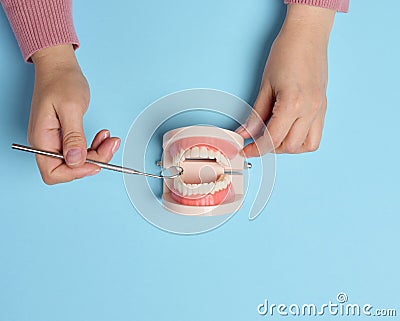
[[38, 24], [338, 5]]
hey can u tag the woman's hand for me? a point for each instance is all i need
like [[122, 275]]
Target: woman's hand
[[292, 97], [60, 99]]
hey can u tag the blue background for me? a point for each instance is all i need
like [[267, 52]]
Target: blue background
[[79, 251]]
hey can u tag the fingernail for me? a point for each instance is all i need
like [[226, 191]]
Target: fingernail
[[106, 134], [74, 156], [116, 146]]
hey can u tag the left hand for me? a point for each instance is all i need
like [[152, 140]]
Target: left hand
[[292, 98]]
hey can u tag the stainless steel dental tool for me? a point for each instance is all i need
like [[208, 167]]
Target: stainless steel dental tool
[[171, 172], [247, 165]]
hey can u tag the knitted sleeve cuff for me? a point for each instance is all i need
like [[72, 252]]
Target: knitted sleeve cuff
[[338, 5], [39, 24]]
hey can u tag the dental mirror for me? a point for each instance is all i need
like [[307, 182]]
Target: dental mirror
[[171, 172]]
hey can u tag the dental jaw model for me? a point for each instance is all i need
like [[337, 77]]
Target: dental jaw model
[[212, 182]]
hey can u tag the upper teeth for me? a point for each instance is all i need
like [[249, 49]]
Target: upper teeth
[[200, 152]]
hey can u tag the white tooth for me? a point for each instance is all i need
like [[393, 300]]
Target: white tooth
[[180, 188], [184, 190], [176, 182], [224, 161], [195, 152], [203, 152], [187, 153], [211, 154], [192, 188], [197, 189], [212, 188], [224, 184], [189, 191], [218, 156], [226, 180]]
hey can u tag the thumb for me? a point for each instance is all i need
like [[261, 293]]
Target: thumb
[[73, 138], [261, 112]]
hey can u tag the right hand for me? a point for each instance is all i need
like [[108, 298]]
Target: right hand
[[60, 99]]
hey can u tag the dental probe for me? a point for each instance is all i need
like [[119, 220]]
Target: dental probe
[[171, 172], [247, 165]]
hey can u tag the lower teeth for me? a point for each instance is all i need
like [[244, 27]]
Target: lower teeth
[[201, 189]]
